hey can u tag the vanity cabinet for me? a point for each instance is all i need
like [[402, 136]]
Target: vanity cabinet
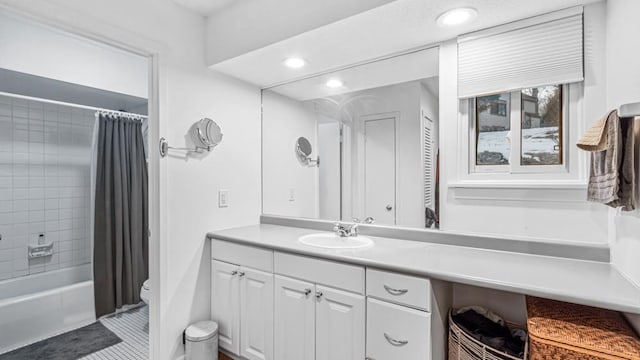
[[399, 317], [275, 305], [321, 314], [242, 296], [397, 332]]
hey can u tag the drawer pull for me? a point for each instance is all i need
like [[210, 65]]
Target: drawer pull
[[395, 292], [307, 292], [395, 342], [234, 273]]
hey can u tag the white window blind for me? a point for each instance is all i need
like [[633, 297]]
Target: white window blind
[[544, 50]]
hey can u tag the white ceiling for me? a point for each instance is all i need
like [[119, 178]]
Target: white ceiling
[[388, 29], [204, 7], [415, 66]]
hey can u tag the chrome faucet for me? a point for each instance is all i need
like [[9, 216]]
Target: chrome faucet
[[345, 230]]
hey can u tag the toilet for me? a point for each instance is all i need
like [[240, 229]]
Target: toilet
[[145, 292]]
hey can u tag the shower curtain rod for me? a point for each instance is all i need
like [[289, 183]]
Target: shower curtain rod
[[23, 97]]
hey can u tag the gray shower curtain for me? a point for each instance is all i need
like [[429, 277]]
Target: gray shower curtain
[[120, 250]]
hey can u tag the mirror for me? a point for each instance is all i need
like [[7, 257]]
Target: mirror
[[303, 146], [206, 134], [375, 128]]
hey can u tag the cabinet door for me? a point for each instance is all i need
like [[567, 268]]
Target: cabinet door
[[340, 324], [294, 319], [225, 304], [256, 314], [397, 332]]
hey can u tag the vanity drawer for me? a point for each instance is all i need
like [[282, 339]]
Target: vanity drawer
[[398, 288], [245, 255], [324, 272], [397, 332]]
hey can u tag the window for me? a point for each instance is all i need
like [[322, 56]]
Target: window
[[492, 129], [518, 131], [541, 129]]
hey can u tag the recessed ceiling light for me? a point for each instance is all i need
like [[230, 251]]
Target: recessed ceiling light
[[334, 83], [294, 62], [456, 16]]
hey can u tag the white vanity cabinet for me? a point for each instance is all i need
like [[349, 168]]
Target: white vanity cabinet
[[321, 314], [404, 321], [272, 305], [242, 299]]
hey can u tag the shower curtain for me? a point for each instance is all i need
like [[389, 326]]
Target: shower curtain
[[120, 227]]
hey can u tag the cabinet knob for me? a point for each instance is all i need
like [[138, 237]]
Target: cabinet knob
[[241, 274], [234, 273], [307, 292], [318, 294]]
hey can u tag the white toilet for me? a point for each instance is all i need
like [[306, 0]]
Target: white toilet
[[145, 292]]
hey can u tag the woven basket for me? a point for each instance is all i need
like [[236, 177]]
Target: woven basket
[[559, 330], [464, 347]]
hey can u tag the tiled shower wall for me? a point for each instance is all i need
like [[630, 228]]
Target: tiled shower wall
[[45, 160]]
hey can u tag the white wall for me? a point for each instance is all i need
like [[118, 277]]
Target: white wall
[[68, 58], [329, 171], [253, 24], [523, 215], [285, 120], [510, 306], [188, 91], [623, 86]]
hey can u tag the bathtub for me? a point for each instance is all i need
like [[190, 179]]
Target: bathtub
[[38, 306]]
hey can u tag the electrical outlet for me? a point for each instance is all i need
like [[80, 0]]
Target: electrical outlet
[[292, 194], [223, 198]]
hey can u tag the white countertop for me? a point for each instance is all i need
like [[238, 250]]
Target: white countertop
[[578, 281]]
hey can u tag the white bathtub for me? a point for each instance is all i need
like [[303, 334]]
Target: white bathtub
[[35, 307]]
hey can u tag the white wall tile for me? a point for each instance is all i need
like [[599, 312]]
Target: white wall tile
[[6, 206], [44, 184]]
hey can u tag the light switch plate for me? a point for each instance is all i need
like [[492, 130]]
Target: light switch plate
[[223, 198]]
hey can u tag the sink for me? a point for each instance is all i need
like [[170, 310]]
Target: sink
[[333, 241]]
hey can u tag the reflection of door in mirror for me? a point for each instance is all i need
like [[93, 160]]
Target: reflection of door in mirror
[[380, 170]]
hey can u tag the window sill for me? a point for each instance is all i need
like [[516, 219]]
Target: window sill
[[493, 184], [573, 192]]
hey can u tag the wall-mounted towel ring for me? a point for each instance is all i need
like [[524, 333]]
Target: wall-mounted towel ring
[[205, 134]]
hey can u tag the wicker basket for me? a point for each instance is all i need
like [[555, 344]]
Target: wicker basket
[[464, 347], [559, 330]]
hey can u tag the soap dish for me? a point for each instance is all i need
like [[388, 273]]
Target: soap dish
[[40, 250]]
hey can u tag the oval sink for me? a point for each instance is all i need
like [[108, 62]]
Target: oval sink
[[333, 241]]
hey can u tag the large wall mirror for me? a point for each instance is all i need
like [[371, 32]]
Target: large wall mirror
[[359, 143]]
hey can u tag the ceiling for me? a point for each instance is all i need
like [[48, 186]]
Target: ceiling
[[204, 7], [388, 29], [400, 69]]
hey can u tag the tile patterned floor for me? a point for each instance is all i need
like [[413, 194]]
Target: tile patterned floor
[[133, 328]]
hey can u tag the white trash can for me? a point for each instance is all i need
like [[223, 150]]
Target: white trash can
[[202, 341]]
